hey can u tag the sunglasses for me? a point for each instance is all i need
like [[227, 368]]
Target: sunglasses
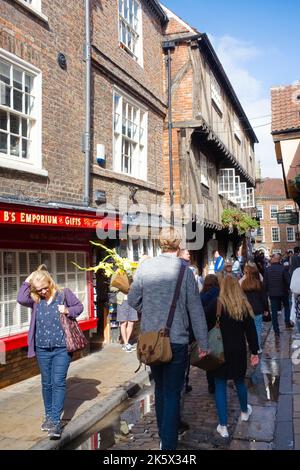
[[39, 291]]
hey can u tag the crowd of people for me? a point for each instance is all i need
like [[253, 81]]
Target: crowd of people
[[235, 297]]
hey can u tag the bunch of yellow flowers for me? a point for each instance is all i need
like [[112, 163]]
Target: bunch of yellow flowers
[[123, 265]]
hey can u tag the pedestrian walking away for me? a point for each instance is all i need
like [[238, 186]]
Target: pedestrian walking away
[[46, 340], [151, 293], [276, 284], [257, 298], [237, 325], [210, 292]]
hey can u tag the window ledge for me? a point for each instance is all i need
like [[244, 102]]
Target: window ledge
[[23, 167], [32, 10], [110, 174]]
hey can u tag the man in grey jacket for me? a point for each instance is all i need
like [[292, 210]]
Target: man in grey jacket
[[151, 294]]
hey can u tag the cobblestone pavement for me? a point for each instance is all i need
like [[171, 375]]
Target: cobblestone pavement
[[200, 413]]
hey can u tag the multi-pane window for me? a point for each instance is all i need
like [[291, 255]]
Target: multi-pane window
[[260, 233], [275, 234], [19, 129], [15, 266], [273, 212], [243, 194], [290, 234], [130, 137], [260, 212], [288, 208], [130, 28], [236, 195], [227, 181], [249, 198], [216, 95]]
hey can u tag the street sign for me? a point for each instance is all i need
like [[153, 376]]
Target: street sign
[[289, 218]]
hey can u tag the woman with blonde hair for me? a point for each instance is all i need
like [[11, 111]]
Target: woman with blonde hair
[[46, 340], [257, 297], [237, 325]]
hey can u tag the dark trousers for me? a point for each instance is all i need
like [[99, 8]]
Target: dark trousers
[[169, 381], [276, 303], [53, 364]]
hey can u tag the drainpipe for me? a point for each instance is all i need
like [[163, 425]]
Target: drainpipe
[[168, 46], [86, 147]]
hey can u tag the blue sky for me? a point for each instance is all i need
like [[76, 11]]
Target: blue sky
[[258, 45]]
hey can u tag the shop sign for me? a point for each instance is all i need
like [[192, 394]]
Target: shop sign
[[289, 218], [57, 220]]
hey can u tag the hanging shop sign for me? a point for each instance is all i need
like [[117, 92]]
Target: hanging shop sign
[[57, 220], [289, 218]]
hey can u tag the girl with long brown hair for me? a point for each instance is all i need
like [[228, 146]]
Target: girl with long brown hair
[[237, 325], [257, 297]]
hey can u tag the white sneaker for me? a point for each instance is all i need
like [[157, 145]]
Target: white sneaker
[[222, 430], [128, 348], [246, 415]]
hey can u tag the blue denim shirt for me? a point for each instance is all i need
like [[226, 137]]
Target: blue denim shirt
[[49, 332]]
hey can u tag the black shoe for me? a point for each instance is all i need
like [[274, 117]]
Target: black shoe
[[188, 388], [183, 426], [289, 324], [211, 389]]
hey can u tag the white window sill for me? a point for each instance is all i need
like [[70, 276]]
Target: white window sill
[[32, 10], [20, 166]]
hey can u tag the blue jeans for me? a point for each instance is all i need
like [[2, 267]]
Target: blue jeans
[[258, 325], [53, 364], [276, 306], [169, 381], [221, 398]]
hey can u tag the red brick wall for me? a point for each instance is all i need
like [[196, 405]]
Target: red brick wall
[[267, 223], [38, 43], [19, 367]]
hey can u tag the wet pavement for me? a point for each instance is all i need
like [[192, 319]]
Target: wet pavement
[[108, 406], [135, 427]]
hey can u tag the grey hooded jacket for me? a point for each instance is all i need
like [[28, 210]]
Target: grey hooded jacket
[[152, 291]]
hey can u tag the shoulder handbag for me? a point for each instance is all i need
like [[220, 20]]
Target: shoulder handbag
[[74, 337], [215, 357], [154, 347]]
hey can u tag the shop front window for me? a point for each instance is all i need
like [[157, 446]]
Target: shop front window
[[15, 266]]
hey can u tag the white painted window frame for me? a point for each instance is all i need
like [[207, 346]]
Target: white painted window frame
[[34, 162], [139, 128], [226, 181], [135, 30], [272, 238], [262, 229], [261, 209], [287, 238], [271, 209], [249, 200], [34, 6]]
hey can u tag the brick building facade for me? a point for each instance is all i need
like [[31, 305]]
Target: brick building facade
[[272, 237], [45, 215], [212, 139]]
